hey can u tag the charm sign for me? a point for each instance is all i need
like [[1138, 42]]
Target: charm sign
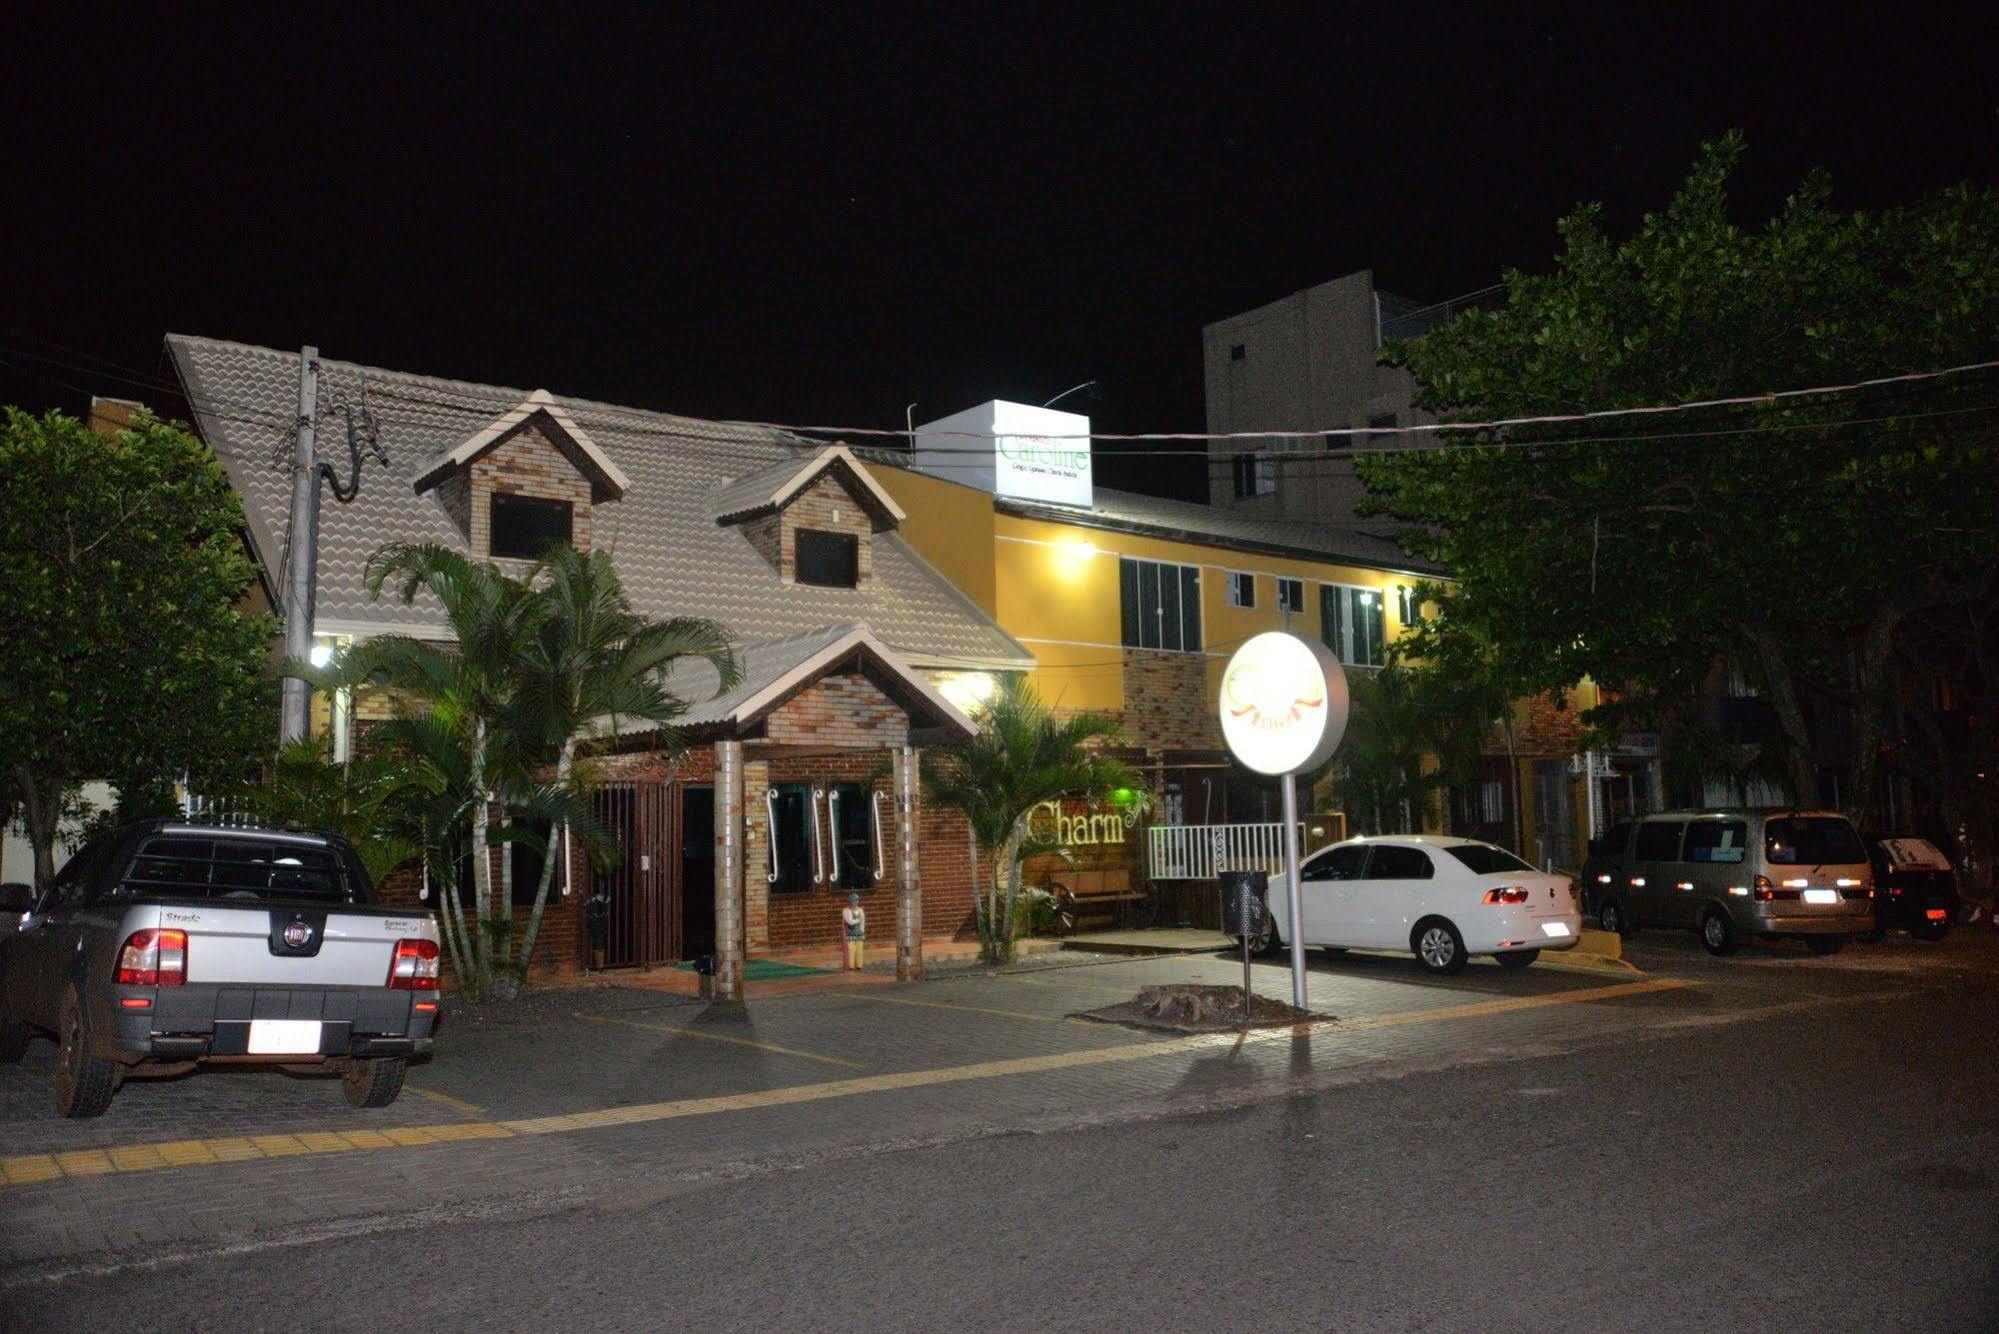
[[1284, 711]]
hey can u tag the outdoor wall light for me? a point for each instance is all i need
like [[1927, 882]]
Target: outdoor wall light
[[1079, 549], [321, 655]]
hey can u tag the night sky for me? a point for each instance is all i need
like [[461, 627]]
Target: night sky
[[787, 215]]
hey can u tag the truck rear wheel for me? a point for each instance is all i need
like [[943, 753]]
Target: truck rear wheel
[[14, 1039], [374, 1081], [84, 1083]]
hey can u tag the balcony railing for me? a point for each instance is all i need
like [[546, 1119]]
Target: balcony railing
[[1203, 851]]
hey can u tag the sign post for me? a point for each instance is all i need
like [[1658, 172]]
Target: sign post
[[1284, 712]]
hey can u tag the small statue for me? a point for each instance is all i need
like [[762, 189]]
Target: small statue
[[854, 925]]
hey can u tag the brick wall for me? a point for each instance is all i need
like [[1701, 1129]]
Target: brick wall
[[1541, 726], [845, 711], [1167, 705], [529, 461], [829, 506]]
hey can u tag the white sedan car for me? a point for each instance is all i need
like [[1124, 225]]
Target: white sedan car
[[1444, 899]]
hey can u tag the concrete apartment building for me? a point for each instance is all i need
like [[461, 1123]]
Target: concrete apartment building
[[1306, 362]]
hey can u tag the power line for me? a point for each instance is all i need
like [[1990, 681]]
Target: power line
[[647, 422]]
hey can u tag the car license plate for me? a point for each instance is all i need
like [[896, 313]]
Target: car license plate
[[1554, 928], [284, 1037], [1821, 896]]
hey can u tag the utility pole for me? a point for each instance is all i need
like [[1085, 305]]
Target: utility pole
[[302, 552]]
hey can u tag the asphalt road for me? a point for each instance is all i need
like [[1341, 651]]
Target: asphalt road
[[1826, 1167]]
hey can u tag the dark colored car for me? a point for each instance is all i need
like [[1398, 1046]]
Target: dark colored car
[[1915, 888]]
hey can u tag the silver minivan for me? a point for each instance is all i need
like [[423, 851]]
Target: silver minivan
[[1733, 873]]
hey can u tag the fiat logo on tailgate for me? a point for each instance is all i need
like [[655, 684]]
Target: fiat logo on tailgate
[[298, 935]]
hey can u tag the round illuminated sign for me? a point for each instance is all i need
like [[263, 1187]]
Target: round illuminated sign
[[1283, 703]]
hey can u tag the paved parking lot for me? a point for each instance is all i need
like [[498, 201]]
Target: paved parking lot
[[610, 1090]]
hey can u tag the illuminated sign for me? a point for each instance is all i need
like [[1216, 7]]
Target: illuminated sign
[[1011, 449], [1076, 825], [1283, 703]]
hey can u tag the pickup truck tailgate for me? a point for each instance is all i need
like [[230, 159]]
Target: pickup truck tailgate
[[284, 945]]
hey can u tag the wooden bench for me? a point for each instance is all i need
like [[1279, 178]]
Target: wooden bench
[[1109, 895]]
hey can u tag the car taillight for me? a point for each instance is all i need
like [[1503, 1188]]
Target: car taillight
[[1510, 894], [1763, 889], [414, 966], [152, 958]]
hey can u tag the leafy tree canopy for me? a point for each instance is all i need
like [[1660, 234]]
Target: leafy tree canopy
[[123, 653], [1787, 536]]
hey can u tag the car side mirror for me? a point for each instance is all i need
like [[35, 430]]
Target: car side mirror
[[16, 897]]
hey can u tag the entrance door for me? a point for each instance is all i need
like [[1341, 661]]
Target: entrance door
[[644, 917], [1554, 815], [697, 871]]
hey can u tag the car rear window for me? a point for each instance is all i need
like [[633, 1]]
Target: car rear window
[[1811, 840], [1484, 859], [1716, 841], [1393, 862], [246, 868]]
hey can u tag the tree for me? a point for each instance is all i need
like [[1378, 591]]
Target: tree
[[1024, 754], [372, 800], [1793, 538], [123, 653], [588, 665], [1414, 730], [452, 696], [493, 722]]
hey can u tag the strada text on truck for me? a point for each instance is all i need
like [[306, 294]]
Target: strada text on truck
[[169, 944]]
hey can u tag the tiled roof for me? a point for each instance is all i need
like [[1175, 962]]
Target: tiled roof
[[768, 487], [1343, 537], [1347, 539], [675, 559]]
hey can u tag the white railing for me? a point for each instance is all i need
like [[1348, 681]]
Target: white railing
[[1203, 851]]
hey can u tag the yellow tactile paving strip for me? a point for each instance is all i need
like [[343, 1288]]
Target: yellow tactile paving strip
[[198, 1152]]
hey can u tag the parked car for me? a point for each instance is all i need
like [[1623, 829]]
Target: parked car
[[1443, 899], [1915, 889], [168, 944], [1729, 874]]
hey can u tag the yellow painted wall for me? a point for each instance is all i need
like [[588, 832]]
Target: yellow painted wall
[[1056, 590], [949, 525]]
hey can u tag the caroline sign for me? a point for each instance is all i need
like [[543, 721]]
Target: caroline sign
[[1011, 449], [1283, 703]]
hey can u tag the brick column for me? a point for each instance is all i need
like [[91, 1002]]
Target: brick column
[[726, 982], [908, 894]]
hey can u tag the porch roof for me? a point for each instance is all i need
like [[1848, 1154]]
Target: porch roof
[[775, 670]]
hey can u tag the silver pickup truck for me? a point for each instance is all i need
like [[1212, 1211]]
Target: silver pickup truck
[[169, 944]]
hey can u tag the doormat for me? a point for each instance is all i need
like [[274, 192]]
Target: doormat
[[767, 970]]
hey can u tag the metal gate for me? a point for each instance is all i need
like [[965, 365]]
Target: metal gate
[[644, 880]]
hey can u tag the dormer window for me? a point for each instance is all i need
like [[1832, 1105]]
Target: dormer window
[[830, 560], [525, 527]]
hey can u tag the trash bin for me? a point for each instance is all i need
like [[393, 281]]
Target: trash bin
[[1243, 905]]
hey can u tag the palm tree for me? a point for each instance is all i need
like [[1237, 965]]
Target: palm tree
[[587, 665], [1413, 731], [462, 691], [1023, 755], [366, 800]]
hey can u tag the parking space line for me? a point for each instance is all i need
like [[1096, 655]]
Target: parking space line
[[457, 1104], [44, 1167], [722, 1037]]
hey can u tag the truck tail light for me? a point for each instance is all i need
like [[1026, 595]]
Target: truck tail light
[[413, 967], [1510, 894], [1763, 889], [153, 958]]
